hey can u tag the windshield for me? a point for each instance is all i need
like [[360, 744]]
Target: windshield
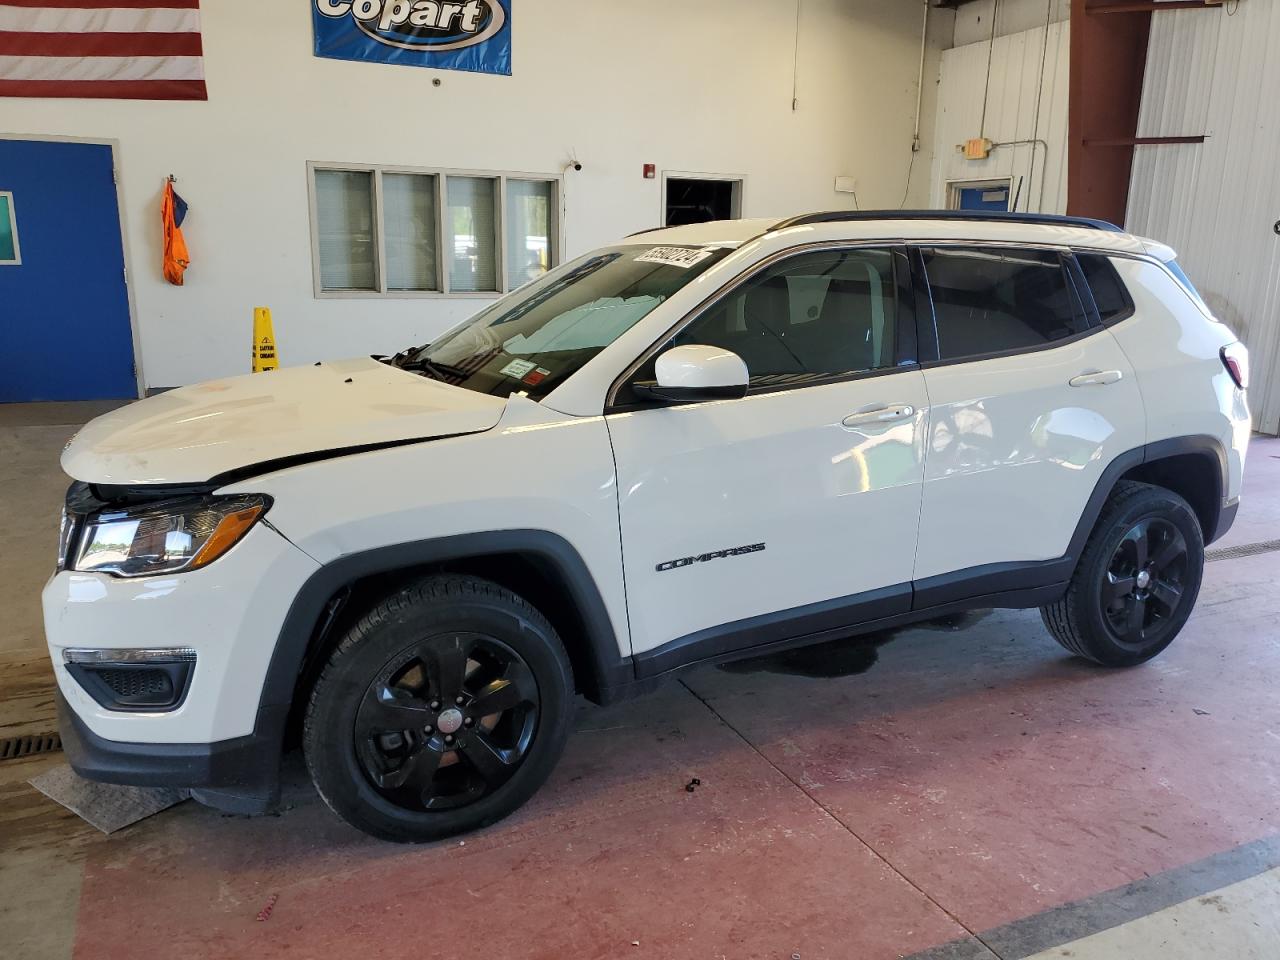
[[536, 337]]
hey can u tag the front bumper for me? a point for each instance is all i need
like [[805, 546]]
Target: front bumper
[[228, 614], [223, 739], [239, 776]]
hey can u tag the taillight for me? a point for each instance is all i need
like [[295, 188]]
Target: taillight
[[1235, 357]]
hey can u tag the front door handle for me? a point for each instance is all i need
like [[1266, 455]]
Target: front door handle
[[878, 415], [1095, 378]]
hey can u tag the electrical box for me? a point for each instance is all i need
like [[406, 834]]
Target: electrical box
[[979, 148], [846, 185]]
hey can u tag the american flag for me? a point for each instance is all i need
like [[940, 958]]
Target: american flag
[[114, 49]]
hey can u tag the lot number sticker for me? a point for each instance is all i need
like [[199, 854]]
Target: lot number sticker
[[681, 257]]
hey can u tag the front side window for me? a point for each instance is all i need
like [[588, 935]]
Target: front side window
[[535, 338], [815, 315], [995, 300]]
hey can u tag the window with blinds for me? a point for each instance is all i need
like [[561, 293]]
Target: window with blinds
[[384, 231], [529, 218], [348, 259], [471, 230], [409, 223]]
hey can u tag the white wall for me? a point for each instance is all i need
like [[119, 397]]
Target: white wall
[[973, 20], [1217, 203], [703, 86], [1014, 63]]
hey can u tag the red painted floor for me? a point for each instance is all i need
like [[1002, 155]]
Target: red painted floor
[[613, 852], [1004, 779], [974, 775]]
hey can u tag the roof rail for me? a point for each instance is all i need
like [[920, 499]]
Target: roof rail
[[978, 216]]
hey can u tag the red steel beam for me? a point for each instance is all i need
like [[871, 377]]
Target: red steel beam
[[1140, 141], [1108, 60], [1153, 6]]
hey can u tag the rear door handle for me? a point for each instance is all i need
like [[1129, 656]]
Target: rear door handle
[[1095, 378], [878, 415]]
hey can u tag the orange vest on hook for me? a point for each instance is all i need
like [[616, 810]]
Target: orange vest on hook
[[176, 258]]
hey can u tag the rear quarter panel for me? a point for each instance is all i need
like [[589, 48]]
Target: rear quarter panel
[[1174, 348]]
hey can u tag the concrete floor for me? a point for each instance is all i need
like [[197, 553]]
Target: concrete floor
[[956, 790]]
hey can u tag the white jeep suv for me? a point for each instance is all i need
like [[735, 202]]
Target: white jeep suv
[[699, 444]]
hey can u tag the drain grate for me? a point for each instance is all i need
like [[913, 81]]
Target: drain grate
[[11, 748], [1244, 550]]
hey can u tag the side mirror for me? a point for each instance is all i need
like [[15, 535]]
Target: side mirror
[[695, 372]]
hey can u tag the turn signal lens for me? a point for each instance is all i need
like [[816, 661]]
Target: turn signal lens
[[1235, 357], [227, 534]]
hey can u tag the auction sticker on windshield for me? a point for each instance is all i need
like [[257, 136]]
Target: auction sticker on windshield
[[682, 257], [537, 376], [517, 368]]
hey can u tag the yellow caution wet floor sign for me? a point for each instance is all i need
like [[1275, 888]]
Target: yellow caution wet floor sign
[[264, 341]]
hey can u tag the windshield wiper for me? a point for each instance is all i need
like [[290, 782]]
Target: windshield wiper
[[441, 371], [399, 359]]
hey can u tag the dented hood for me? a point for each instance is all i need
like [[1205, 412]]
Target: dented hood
[[193, 434]]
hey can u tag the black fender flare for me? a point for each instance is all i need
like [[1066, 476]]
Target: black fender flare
[[1200, 445], [609, 667]]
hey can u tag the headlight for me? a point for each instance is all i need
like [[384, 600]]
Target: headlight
[[168, 537]]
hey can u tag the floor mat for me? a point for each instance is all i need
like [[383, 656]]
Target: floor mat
[[105, 805]]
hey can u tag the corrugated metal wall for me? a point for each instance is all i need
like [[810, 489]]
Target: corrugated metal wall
[[1217, 203], [1011, 115]]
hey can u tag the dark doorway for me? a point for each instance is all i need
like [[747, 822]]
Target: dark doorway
[[690, 200]]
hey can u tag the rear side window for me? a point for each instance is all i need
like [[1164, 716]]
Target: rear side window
[[1109, 294], [993, 300]]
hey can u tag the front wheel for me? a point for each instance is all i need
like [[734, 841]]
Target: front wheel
[[1136, 582], [442, 710]]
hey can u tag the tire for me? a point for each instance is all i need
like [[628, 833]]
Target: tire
[[1112, 614], [442, 710]]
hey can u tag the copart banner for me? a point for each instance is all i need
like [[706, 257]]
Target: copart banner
[[468, 35]]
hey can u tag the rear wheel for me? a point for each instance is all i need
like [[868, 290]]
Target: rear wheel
[[443, 709], [1136, 582]]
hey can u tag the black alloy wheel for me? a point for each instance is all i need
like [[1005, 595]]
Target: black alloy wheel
[[1136, 581], [442, 709], [1144, 586], [447, 722]]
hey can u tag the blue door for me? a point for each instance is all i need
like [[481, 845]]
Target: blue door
[[64, 307], [984, 198]]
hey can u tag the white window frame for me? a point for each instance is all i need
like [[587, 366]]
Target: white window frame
[[442, 291], [13, 224]]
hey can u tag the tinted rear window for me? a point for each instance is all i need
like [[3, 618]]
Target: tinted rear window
[[992, 300], [1109, 293]]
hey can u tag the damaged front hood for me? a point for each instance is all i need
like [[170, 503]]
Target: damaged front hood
[[194, 434]]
